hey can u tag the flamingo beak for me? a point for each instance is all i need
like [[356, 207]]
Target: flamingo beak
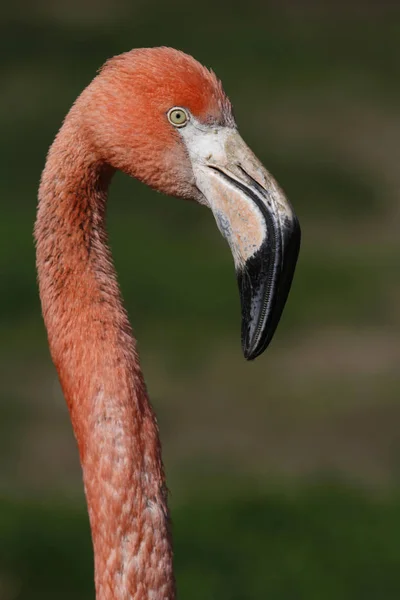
[[259, 224]]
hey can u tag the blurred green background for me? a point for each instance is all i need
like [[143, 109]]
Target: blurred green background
[[284, 473]]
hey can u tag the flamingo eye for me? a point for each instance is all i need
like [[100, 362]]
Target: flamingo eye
[[178, 116]]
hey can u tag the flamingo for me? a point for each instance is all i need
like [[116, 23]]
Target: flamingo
[[163, 118]]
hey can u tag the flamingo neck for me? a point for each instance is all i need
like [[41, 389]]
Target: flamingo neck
[[93, 349]]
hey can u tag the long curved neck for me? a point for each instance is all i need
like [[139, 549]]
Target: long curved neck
[[93, 349]]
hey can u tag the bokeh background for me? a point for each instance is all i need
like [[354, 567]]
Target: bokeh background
[[284, 473]]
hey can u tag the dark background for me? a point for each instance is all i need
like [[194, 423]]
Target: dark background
[[284, 473]]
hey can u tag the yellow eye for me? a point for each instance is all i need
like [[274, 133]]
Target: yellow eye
[[178, 116]]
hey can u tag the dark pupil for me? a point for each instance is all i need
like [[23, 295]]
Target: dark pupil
[[179, 116]]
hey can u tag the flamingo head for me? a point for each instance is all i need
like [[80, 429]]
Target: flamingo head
[[160, 116]]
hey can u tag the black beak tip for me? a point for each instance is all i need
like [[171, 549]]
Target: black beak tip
[[264, 291], [252, 350], [250, 354]]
